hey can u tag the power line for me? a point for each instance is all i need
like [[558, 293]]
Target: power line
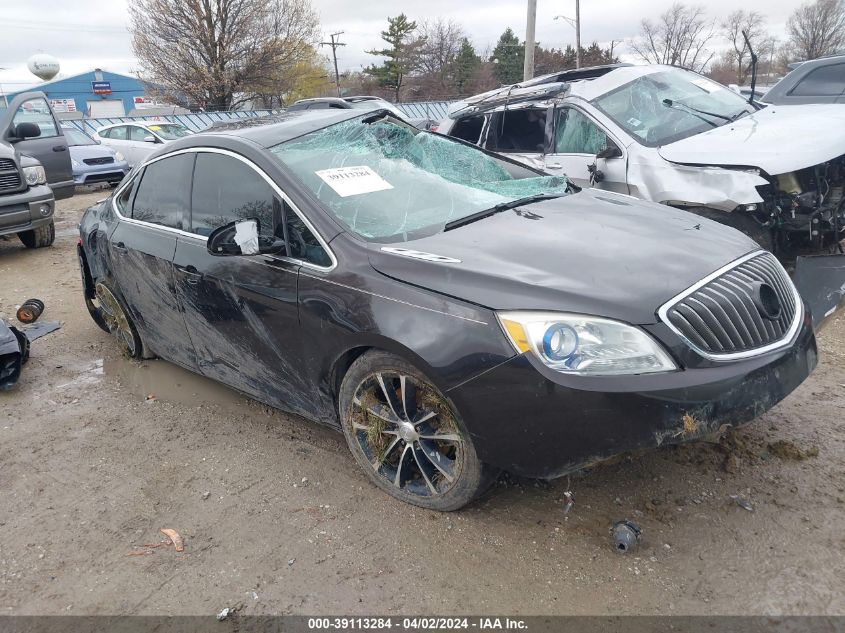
[[334, 44]]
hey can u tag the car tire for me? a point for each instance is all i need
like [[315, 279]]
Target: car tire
[[740, 221], [39, 237], [113, 313], [395, 442]]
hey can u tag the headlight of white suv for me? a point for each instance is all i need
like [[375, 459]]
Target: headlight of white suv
[[118, 157], [75, 163], [585, 345], [35, 176]]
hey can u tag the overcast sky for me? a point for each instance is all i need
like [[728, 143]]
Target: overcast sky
[[85, 34]]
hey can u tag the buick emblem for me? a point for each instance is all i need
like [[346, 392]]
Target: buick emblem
[[766, 301]]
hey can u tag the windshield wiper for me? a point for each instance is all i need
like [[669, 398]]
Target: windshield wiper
[[504, 206], [739, 115], [673, 104]]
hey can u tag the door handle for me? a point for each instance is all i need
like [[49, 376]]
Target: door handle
[[192, 275], [120, 247], [60, 148]]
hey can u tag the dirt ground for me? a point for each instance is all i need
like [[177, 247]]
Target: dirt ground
[[97, 453]]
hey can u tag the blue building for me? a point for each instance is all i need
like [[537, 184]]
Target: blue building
[[97, 93]]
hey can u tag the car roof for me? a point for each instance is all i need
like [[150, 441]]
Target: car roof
[[144, 124], [271, 130]]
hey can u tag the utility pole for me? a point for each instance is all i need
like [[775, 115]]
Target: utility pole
[[577, 33], [528, 69], [334, 44]]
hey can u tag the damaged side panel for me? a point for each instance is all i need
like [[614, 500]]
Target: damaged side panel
[[14, 352]]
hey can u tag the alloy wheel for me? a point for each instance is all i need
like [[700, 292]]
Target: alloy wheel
[[408, 434], [116, 319]]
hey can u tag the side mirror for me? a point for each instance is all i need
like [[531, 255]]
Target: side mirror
[[26, 130], [611, 151], [243, 238], [149, 139]]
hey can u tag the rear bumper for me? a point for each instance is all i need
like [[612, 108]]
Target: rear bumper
[[26, 210], [533, 422]]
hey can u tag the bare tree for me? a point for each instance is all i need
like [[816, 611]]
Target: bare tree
[[752, 23], [679, 38], [816, 29], [441, 41], [220, 53]]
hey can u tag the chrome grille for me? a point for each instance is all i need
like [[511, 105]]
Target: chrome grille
[[7, 163], [725, 316]]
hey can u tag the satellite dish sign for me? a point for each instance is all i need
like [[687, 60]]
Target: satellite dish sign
[[43, 66]]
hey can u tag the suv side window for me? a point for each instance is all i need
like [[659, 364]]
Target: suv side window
[[827, 81], [227, 189], [302, 244], [575, 133], [164, 190], [468, 129], [522, 130], [37, 111]]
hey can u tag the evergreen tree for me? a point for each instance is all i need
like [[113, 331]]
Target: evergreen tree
[[466, 64], [401, 54], [509, 58]]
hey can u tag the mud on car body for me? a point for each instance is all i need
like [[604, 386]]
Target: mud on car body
[[452, 311], [675, 137]]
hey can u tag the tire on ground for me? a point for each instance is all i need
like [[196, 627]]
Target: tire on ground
[[475, 477], [39, 237]]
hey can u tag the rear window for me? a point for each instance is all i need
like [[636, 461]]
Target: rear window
[[827, 81], [164, 192]]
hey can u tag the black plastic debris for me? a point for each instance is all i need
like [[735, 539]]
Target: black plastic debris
[[820, 280], [626, 534], [30, 310], [41, 329], [14, 352]]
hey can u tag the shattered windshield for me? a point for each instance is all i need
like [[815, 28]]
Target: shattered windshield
[[387, 181], [671, 105]]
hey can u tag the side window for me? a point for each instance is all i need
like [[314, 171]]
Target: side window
[[468, 128], [138, 133], [226, 189], [303, 245], [125, 197], [827, 81], [37, 111], [522, 130], [117, 133], [164, 190], [577, 134]]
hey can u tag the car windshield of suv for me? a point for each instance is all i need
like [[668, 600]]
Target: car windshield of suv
[[75, 137], [387, 181], [169, 131], [671, 105]]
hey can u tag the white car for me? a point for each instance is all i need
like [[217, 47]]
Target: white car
[[675, 137], [139, 139]]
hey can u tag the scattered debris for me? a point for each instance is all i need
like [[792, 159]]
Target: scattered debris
[[225, 613], [206, 495], [569, 500], [626, 534], [291, 562], [732, 463], [150, 397], [174, 537], [787, 450], [742, 503], [690, 425], [30, 310], [14, 352], [40, 329]]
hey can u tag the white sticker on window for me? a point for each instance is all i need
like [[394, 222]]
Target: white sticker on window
[[353, 181], [634, 122]]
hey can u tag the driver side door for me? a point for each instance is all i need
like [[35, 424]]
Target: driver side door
[[576, 140]]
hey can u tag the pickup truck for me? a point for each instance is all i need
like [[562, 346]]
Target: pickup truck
[[35, 169]]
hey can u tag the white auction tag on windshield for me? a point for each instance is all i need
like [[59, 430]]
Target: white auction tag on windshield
[[353, 181]]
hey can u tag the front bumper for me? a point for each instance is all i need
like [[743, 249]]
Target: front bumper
[[111, 173], [26, 210], [535, 422]]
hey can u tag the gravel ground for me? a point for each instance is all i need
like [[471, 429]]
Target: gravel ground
[[97, 453]]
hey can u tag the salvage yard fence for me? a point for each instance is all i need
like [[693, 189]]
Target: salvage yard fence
[[197, 121]]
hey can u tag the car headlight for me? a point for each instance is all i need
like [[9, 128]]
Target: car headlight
[[75, 163], [35, 175], [585, 345], [119, 157]]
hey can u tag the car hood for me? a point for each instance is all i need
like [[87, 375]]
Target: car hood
[[776, 139], [591, 253], [80, 152]]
